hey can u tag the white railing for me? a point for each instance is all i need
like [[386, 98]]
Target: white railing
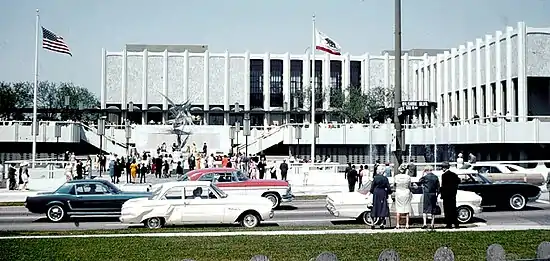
[[261, 138]]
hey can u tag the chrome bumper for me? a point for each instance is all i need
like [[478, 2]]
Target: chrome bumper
[[533, 199]]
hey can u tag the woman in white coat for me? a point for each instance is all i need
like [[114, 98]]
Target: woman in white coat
[[403, 196]]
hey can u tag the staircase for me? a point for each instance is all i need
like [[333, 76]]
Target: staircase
[[264, 140], [89, 135]]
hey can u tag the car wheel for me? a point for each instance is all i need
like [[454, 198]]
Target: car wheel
[[250, 220], [369, 220], [274, 199], [154, 223], [517, 202], [464, 214], [55, 213]]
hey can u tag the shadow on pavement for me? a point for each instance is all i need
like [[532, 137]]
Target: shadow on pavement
[[286, 207]]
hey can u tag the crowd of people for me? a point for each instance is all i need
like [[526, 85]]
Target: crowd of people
[[429, 183], [18, 177]]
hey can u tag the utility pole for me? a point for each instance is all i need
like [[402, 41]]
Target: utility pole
[[399, 132]]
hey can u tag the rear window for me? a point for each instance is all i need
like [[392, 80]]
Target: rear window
[[67, 188]]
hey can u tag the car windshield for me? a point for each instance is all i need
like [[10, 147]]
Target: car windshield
[[239, 176], [184, 178], [156, 192], [473, 179], [218, 190]]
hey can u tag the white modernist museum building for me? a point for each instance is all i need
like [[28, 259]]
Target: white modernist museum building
[[504, 76]]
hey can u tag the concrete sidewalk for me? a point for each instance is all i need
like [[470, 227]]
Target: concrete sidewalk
[[287, 232]]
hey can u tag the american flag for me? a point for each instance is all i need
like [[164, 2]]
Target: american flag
[[52, 42]]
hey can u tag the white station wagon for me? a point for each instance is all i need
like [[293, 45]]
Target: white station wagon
[[195, 202], [357, 204]]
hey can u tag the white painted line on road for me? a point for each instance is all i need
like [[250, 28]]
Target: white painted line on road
[[542, 201], [19, 218], [480, 224], [282, 232]]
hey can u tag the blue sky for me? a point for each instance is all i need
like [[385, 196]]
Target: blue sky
[[238, 25]]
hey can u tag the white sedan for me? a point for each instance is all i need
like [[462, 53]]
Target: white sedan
[[357, 205], [195, 202]]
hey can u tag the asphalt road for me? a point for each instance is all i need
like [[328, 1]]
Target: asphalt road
[[298, 213]]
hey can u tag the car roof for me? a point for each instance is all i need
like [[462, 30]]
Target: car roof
[[209, 170], [76, 181], [185, 183]]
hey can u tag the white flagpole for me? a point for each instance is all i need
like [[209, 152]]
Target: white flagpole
[[34, 100], [313, 43]]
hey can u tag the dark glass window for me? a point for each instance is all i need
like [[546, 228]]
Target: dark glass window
[[276, 83], [215, 118], [318, 82], [335, 83], [257, 119], [256, 83], [296, 84], [355, 73]]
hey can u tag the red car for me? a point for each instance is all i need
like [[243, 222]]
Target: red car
[[234, 181]]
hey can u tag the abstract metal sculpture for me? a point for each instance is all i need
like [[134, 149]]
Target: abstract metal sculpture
[[180, 118]]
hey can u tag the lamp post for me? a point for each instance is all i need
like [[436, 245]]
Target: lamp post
[[128, 131], [397, 118], [232, 137], [67, 103], [100, 133], [298, 136], [57, 136], [286, 113], [80, 110], [315, 137], [246, 131], [237, 124], [130, 110]]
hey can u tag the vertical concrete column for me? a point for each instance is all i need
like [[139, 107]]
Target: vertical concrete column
[[522, 74], [489, 106], [267, 89], [226, 87], [365, 67], [509, 83], [454, 98], [123, 88], [446, 88], [479, 94], [206, 86], [165, 88], [144, 87], [462, 104], [469, 80], [498, 74], [405, 82]]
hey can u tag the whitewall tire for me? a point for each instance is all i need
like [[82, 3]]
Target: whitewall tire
[[250, 220], [517, 202], [55, 213], [154, 223], [273, 198]]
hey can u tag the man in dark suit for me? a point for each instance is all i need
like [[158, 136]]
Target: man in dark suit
[[346, 172], [352, 178], [284, 169], [449, 186]]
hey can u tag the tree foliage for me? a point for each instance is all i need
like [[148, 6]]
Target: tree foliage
[[359, 106], [50, 100], [13, 96], [305, 94]]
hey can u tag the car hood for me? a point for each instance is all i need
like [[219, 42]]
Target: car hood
[[45, 193]]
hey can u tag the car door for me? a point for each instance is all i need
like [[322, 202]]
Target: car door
[[175, 205], [496, 174], [203, 208], [230, 183], [97, 198]]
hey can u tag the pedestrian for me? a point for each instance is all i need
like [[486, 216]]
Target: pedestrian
[[79, 170], [380, 190], [361, 172], [347, 170], [112, 166], [403, 196], [179, 169], [11, 177], [284, 170], [430, 189], [411, 169], [352, 178], [68, 171], [273, 172], [449, 187], [133, 170], [261, 168]]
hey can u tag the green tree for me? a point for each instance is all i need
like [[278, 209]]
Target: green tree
[[51, 98], [14, 97], [305, 93], [359, 106]]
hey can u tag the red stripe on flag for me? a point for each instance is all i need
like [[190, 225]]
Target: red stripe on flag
[[321, 48]]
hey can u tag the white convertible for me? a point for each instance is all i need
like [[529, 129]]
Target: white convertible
[[195, 202], [358, 204]]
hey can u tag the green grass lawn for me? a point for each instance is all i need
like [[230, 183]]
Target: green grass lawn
[[467, 246]]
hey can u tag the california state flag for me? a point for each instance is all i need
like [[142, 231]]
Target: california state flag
[[326, 44]]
